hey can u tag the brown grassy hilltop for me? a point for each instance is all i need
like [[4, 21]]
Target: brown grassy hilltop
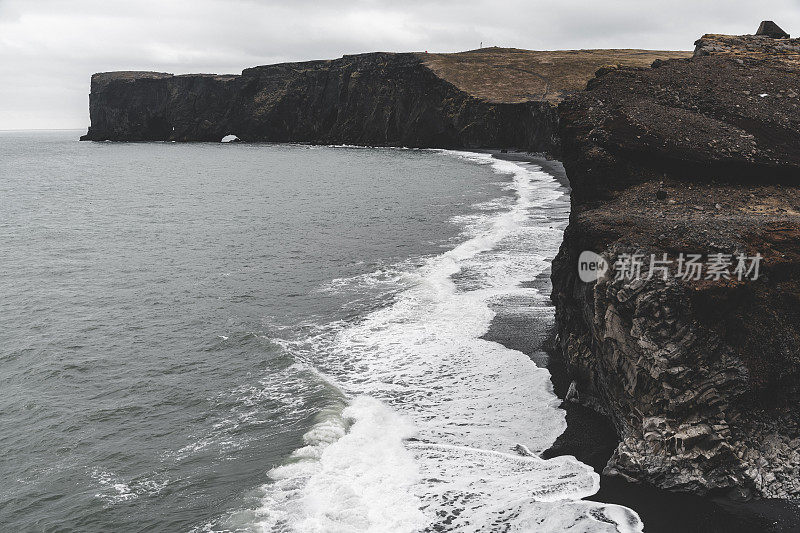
[[513, 75]]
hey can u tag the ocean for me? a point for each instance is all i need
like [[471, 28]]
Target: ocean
[[247, 337]]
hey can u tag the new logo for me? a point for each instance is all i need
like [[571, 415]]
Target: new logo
[[591, 266]]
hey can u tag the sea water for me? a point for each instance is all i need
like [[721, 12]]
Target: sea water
[[203, 337]]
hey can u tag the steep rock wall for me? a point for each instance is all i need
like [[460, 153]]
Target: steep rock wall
[[369, 99], [697, 156]]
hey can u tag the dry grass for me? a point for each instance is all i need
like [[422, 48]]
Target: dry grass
[[514, 75]]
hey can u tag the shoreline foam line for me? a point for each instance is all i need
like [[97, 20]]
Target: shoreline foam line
[[419, 368]]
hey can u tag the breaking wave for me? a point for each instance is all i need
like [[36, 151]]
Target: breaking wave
[[442, 429]]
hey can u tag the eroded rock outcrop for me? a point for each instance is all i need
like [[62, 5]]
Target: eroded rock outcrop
[[701, 377]]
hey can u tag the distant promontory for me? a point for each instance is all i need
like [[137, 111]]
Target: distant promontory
[[492, 97]]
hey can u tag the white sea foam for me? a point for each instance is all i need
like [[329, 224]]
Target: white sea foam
[[428, 439], [115, 490], [392, 278], [359, 479]]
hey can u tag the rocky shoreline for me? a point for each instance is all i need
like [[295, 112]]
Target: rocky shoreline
[[591, 437], [689, 155], [698, 156]]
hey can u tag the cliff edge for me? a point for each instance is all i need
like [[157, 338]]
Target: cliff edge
[[488, 98], [692, 157]]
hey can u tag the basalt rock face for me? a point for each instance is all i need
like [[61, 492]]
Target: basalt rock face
[[694, 156], [369, 99], [152, 106]]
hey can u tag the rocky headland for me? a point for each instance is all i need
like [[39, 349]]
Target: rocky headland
[[666, 153], [488, 98]]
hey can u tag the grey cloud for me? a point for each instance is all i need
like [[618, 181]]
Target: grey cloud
[[50, 48]]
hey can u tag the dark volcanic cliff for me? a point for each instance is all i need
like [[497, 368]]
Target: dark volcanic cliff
[[699, 156], [379, 99], [370, 99]]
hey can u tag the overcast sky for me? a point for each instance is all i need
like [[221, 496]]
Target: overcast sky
[[50, 48]]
